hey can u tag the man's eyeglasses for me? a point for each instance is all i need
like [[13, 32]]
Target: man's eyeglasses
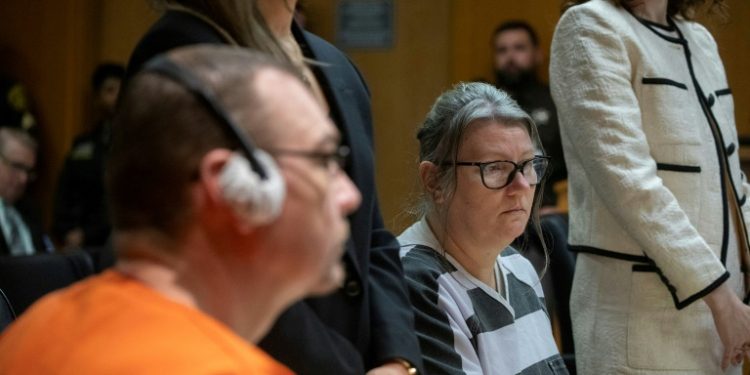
[[500, 173], [18, 167], [325, 159]]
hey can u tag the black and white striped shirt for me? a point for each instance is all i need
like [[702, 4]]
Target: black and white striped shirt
[[466, 327]]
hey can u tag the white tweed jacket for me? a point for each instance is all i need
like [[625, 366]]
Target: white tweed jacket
[[647, 123]]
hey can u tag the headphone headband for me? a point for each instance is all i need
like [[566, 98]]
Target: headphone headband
[[167, 68]]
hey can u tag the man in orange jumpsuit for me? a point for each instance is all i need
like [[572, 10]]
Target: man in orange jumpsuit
[[229, 204]]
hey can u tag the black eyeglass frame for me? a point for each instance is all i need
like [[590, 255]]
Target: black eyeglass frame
[[518, 167], [340, 156]]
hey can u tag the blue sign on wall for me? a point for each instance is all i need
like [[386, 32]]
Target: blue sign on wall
[[365, 24]]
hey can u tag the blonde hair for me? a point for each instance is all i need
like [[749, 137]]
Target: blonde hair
[[240, 22]]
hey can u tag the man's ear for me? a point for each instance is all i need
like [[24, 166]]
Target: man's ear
[[210, 170], [209, 174], [428, 172]]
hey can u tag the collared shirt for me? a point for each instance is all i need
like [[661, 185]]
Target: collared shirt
[[9, 217]]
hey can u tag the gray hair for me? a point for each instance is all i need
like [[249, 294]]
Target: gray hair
[[19, 135], [442, 132]]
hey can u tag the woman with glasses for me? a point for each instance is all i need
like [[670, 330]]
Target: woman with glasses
[[478, 303]]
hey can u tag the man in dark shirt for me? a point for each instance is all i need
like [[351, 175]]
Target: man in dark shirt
[[81, 217], [517, 58]]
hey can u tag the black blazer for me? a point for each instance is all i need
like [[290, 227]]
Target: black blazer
[[32, 218], [370, 319]]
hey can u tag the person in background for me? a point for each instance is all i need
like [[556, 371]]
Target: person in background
[[16, 106], [478, 303], [367, 325], [658, 211], [239, 209], [22, 230], [80, 216], [516, 61]]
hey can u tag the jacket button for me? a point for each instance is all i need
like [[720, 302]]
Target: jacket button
[[352, 288], [711, 100]]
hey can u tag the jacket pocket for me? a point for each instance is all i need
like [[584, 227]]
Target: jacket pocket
[[659, 336]]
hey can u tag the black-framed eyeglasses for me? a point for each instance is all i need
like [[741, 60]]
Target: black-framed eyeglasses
[[18, 167], [500, 173], [327, 160]]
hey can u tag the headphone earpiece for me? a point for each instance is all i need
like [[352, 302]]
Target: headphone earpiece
[[253, 186], [256, 200]]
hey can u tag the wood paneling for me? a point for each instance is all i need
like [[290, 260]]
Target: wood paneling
[[475, 20], [52, 46], [404, 82], [122, 24], [733, 38], [48, 45]]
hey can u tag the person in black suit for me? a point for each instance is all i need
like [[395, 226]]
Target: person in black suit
[[367, 325], [22, 232]]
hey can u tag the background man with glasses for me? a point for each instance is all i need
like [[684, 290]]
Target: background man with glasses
[[22, 231]]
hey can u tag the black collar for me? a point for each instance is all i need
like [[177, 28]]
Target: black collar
[[658, 28]]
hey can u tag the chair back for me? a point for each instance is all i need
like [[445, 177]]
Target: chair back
[[25, 279], [7, 315]]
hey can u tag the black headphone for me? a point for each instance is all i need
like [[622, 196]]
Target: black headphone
[[251, 183]]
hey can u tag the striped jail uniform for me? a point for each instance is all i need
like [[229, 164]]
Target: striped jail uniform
[[465, 326]]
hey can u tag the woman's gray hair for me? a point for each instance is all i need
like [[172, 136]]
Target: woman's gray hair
[[441, 133]]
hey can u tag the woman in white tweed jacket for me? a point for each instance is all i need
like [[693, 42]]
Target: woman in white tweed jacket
[[657, 197]]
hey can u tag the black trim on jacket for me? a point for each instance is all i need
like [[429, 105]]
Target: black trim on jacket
[[655, 24], [678, 168], [720, 147], [608, 253], [645, 264], [663, 81], [672, 290], [726, 91], [672, 27]]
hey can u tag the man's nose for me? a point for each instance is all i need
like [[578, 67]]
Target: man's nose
[[348, 195]]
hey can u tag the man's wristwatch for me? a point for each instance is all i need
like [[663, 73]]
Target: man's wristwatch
[[411, 370]]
